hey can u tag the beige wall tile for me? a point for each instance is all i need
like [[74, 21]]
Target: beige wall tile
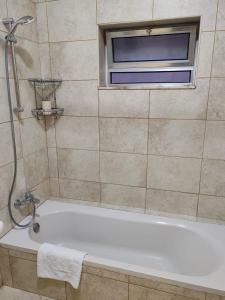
[[214, 297], [132, 104], [218, 67], [3, 13], [124, 11], [221, 16], [78, 98], [172, 202], [140, 293], [105, 273], [17, 9], [6, 149], [42, 26], [216, 106], [214, 146], [64, 55], [213, 177], [79, 190], [6, 174], [52, 162], [36, 168], [93, 287], [176, 137], [137, 292], [78, 133], [124, 135], [27, 98], [164, 287], [205, 54], [45, 61], [78, 164], [207, 9], [23, 255], [76, 20], [180, 104], [33, 135], [13, 294], [5, 271], [42, 191], [4, 107], [28, 60], [2, 57], [211, 207], [174, 173], [123, 168], [24, 274], [50, 132], [54, 187], [123, 195]]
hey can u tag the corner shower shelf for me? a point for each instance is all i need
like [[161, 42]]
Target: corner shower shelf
[[45, 90], [47, 112]]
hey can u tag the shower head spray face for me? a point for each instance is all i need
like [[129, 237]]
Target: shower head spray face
[[21, 21]]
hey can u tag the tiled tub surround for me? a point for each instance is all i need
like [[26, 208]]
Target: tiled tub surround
[[156, 151], [181, 173], [96, 283], [110, 274], [30, 134]]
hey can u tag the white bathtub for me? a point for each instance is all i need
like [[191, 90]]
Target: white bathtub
[[181, 252]]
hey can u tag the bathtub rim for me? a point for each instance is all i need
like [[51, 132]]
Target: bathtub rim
[[211, 283]]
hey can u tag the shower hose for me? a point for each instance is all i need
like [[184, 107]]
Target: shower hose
[[7, 43]]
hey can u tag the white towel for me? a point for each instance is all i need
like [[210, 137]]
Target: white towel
[[60, 263]]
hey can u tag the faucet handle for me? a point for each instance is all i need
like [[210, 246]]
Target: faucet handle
[[29, 194], [36, 200]]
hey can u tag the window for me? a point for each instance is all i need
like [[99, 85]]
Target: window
[[155, 55]]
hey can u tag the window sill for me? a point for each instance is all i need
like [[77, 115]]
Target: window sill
[[148, 87]]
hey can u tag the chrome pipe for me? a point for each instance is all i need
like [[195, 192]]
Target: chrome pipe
[[19, 107]]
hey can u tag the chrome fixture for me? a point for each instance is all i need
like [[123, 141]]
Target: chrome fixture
[[10, 40], [36, 227], [28, 198], [11, 26]]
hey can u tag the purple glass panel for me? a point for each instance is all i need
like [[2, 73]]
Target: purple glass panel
[[150, 77], [151, 48]]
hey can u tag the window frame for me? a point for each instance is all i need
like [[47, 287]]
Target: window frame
[[165, 65]]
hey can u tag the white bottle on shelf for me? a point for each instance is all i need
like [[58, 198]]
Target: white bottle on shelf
[[1, 227], [46, 106]]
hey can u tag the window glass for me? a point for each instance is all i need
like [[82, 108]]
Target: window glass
[[150, 77], [151, 48]]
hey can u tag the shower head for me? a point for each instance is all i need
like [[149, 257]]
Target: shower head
[[21, 21]]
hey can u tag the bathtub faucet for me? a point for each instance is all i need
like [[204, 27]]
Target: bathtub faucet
[[28, 198]]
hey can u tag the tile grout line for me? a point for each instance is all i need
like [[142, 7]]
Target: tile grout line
[[147, 161], [98, 116], [204, 138], [55, 135], [140, 154]]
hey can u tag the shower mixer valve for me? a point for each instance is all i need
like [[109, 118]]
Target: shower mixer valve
[[26, 199]]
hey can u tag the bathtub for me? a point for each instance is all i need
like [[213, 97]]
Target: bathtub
[[180, 252]]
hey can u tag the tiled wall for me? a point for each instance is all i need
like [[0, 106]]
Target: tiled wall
[[152, 150], [30, 134], [96, 284]]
